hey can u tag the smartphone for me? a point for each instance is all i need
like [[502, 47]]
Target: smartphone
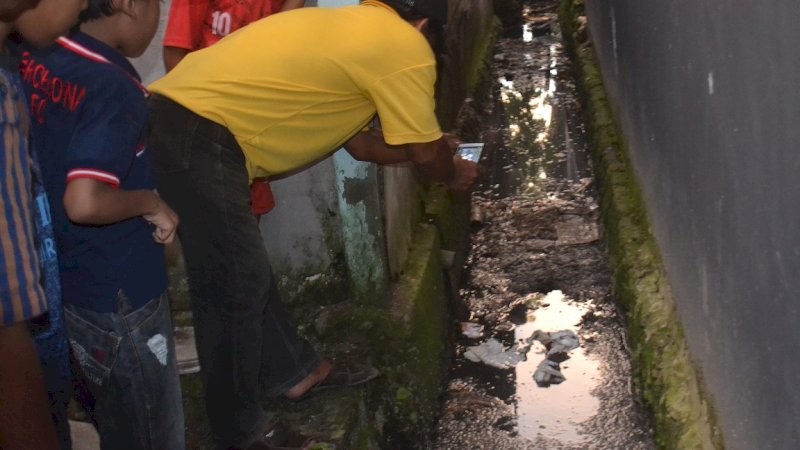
[[470, 151]]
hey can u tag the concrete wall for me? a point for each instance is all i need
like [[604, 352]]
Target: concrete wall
[[707, 100]]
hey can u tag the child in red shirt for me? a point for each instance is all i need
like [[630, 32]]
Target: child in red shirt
[[196, 24]]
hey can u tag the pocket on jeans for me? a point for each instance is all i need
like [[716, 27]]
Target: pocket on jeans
[[94, 349]]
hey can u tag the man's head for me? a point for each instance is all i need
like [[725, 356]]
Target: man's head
[[433, 10]]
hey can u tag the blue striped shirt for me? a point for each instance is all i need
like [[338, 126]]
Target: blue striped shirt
[[21, 295]]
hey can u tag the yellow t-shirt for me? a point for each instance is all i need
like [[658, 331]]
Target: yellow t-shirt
[[295, 86]]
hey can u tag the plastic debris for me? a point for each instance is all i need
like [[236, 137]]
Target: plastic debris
[[557, 342], [493, 353], [548, 372], [471, 330], [505, 326], [574, 229]]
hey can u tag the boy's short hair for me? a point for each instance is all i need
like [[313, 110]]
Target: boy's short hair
[[97, 9]]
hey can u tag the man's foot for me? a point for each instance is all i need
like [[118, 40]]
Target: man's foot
[[329, 374]]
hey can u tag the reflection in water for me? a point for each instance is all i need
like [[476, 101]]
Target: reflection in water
[[536, 142], [527, 33], [557, 410]]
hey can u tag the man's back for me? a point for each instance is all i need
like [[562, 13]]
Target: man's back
[[297, 85]]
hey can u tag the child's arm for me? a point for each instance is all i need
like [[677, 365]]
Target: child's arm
[[24, 413], [182, 34], [292, 4], [92, 202]]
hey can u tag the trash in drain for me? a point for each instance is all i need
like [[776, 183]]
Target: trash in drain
[[558, 344], [494, 354], [471, 330], [548, 372]]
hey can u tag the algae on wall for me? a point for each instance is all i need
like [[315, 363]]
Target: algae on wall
[[664, 373], [471, 31]]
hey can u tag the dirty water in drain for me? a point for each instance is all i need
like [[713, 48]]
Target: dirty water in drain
[[540, 409], [540, 360]]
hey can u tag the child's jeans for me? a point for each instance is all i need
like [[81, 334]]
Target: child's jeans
[[128, 361]]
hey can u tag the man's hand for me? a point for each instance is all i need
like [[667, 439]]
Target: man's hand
[[452, 140], [465, 175], [165, 220]]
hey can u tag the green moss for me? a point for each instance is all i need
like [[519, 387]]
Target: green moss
[[479, 62], [405, 339], [664, 373], [198, 433]]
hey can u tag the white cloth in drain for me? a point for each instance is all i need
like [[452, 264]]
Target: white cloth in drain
[[558, 341], [471, 330], [493, 354], [547, 373]]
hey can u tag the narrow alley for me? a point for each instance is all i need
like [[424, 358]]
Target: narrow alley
[[538, 273]]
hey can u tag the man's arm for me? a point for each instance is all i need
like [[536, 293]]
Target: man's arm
[[24, 413], [91, 202], [366, 146], [434, 160]]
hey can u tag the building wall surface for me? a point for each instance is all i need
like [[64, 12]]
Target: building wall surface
[[707, 101]]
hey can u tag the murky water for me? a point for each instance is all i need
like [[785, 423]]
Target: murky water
[[557, 410], [537, 262]]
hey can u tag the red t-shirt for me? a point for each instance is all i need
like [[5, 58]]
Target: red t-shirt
[[196, 24]]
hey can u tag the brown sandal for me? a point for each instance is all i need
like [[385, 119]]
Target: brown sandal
[[341, 375]]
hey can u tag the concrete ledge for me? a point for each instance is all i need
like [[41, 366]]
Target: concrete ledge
[[405, 337], [419, 306], [664, 373]]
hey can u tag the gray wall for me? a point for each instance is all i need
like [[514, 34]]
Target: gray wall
[[708, 99]]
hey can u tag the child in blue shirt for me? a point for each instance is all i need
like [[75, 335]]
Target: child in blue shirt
[[29, 281], [89, 113]]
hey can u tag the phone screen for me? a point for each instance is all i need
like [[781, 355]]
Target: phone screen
[[470, 151]]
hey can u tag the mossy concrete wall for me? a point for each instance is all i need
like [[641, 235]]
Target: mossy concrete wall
[[664, 372]]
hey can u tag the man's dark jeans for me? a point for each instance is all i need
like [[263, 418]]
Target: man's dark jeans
[[245, 340]]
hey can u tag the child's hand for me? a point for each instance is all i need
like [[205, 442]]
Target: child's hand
[[165, 221]]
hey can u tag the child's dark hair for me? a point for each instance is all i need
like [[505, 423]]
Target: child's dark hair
[[97, 9]]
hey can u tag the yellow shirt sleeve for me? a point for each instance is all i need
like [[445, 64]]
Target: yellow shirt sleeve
[[405, 104]]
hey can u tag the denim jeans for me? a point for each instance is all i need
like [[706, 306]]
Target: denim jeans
[[128, 361], [247, 345]]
